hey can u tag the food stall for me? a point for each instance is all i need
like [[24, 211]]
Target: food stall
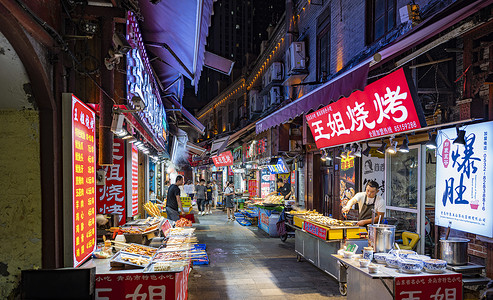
[[317, 237], [138, 271], [268, 213]]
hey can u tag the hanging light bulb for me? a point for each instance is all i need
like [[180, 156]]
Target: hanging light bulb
[[432, 143], [404, 148], [381, 149]]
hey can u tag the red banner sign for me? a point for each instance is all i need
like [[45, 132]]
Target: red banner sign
[[252, 188], [386, 106], [135, 181], [315, 230], [111, 196], [223, 159], [429, 287], [83, 181], [137, 286]]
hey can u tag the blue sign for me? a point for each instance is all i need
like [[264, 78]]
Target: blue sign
[[279, 168], [464, 180]]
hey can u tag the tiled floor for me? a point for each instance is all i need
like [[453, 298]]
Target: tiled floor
[[245, 263]]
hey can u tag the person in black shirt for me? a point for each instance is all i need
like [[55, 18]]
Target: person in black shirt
[[208, 199], [173, 200], [283, 189]]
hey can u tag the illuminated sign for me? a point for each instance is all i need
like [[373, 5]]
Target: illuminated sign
[[223, 159], [83, 181], [464, 180], [386, 106], [135, 182], [141, 83], [279, 168], [111, 196]]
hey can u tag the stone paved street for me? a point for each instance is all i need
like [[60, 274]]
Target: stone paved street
[[245, 263]]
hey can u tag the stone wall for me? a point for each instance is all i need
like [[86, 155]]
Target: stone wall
[[20, 205]]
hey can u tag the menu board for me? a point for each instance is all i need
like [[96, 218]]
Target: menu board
[[252, 188], [111, 195], [464, 180], [348, 180], [83, 181], [264, 182], [135, 181]]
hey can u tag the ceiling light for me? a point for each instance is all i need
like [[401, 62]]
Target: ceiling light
[[393, 147], [461, 137], [404, 148], [339, 154], [356, 152], [432, 143], [381, 149], [366, 152]]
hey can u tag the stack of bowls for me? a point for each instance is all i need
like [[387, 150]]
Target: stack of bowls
[[410, 266], [435, 265], [392, 261], [380, 257]]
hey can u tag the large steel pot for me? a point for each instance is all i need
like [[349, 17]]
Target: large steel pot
[[381, 237], [454, 251]]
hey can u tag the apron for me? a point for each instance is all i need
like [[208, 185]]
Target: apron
[[366, 210]]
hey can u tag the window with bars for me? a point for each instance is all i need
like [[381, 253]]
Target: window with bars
[[380, 18]]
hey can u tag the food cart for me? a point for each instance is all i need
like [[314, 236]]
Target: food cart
[[390, 283], [318, 237]]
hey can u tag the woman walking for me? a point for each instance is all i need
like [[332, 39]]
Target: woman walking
[[229, 192]]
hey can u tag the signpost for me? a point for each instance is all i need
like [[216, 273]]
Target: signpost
[[79, 161]]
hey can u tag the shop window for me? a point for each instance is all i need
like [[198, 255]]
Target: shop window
[[380, 18]]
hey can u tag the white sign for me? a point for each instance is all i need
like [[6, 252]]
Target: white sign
[[464, 180], [373, 168]]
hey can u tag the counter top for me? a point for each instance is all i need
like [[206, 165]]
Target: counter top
[[103, 267], [384, 271]]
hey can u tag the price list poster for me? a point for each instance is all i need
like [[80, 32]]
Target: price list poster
[[79, 180]]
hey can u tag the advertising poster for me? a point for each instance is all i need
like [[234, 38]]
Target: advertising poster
[[347, 180], [252, 188], [429, 287], [111, 196], [264, 182], [464, 180], [83, 181], [373, 168]]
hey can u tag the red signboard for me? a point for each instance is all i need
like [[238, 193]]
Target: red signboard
[[83, 181], [137, 286], [253, 188], [446, 153], [447, 286], [135, 181], [386, 106], [315, 230], [223, 159], [111, 196]]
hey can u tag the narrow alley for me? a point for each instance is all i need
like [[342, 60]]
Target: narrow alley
[[245, 263]]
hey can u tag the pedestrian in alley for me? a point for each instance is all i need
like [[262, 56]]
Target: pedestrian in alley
[[215, 193], [208, 201], [201, 191], [229, 193], [173, 201]]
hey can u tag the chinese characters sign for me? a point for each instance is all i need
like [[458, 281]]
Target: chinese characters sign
[[135, 181], [223, 159], [264, 182], [139, 286], [316, 230], [252, 188], [386, 106], [347, 180], [464, 180], [111, 196], [83, 181], [437, 287]]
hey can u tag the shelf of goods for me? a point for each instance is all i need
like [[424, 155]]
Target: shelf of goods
[[317, 237], [385, 283], [140, 231], [138, 271]]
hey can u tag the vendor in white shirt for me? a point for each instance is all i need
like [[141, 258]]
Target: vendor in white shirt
[[367, 201]]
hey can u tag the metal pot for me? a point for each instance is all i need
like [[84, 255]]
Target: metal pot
[[454, 251], [381, 237]]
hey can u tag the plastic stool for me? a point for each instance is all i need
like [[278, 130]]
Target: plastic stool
[[409, 240]]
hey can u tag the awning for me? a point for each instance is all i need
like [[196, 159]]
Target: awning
[[192, 120], [334, 89], [218, 63], [175, 31], [195, 149], [235, 136], [219, 145]]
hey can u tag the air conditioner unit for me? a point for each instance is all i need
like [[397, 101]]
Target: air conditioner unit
[[276, 71], [266, 102], [275, 95], [296, 57], [255, 101]]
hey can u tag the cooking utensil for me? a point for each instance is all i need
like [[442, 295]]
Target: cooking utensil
[[454, 251], [381, 237], [448, 230]]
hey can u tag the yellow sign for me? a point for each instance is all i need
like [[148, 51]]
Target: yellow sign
[[186, 201]]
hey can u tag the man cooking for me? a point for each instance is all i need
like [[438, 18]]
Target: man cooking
[[367, 201], [283, 189], [173, 202]]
